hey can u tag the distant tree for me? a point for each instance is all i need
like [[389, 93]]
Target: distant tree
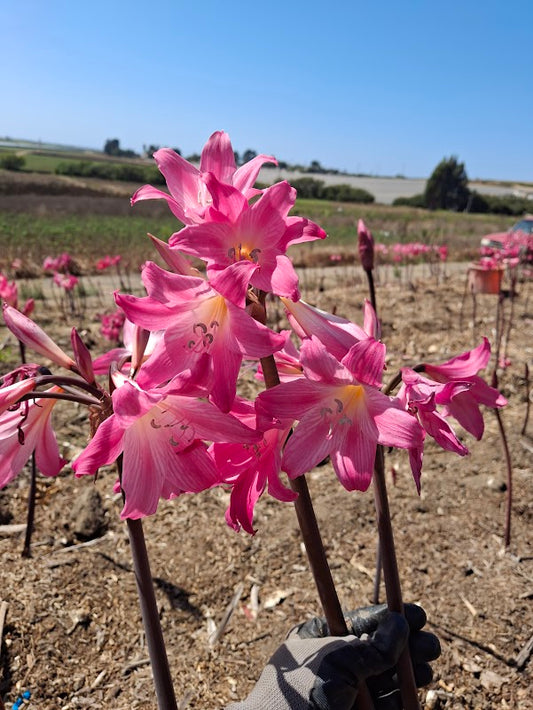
[[447, 187], [112, 146], [248, 155], [194, 158], [12, 161], [149, 150], [237, 157], [315, 167]]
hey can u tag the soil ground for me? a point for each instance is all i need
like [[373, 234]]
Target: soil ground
[[72, 633]]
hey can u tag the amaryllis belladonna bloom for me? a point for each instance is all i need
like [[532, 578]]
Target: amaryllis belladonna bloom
[[250, 468], [197, 321], [160, 433], [340, 335], [24, 429], [464, 406], [425, 398], [247, 243], [189, 198], [339, 415]]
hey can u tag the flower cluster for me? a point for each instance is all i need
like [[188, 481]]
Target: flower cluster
[[111, 324], [107, 261], [409, 252], [61, 263], [173, 412], [9, 295]]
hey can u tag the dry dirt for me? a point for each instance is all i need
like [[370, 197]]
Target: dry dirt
[[72, 632]]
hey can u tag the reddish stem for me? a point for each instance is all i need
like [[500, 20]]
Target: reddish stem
[[30, 516], [164, 689], [315, 550], [391, 576]]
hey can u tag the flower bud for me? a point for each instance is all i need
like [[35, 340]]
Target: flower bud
[[83, 357], [366, 246], [35, 338]]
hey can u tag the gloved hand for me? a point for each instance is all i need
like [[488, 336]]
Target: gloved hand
[[320, 672], [423, 647]]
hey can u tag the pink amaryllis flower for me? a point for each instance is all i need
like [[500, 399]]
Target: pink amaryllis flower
[[160, 433], [464, 405], [339, 414], [65, 281], [189, 198], [27, 428], [106, 261], [8, 291], [250, 468], [197, 321], [341, 336], [422, 397], [9, 295], [12, 392], [138, 344], [244, 243], [287, 361]]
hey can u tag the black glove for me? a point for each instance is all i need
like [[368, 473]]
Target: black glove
[[423, 647], [323, 673]]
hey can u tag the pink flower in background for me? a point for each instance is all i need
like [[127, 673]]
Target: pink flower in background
[[442, 251], [106, 261], [25, 429], [464, 406], [8, 291], [61, 263], [160, 433], [138, 345], [189, 198], [339, 415], [65, 281], [111, 328]]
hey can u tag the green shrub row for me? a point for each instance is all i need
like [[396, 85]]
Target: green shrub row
[[11, 161], [478, 203], [310, 188], [111, 171]]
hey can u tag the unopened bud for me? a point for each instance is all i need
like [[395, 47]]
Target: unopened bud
[[366, 246]]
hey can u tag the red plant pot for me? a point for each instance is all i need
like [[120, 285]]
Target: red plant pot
[[483, 280]]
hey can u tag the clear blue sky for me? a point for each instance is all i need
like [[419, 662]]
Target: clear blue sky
[[377, 87]]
